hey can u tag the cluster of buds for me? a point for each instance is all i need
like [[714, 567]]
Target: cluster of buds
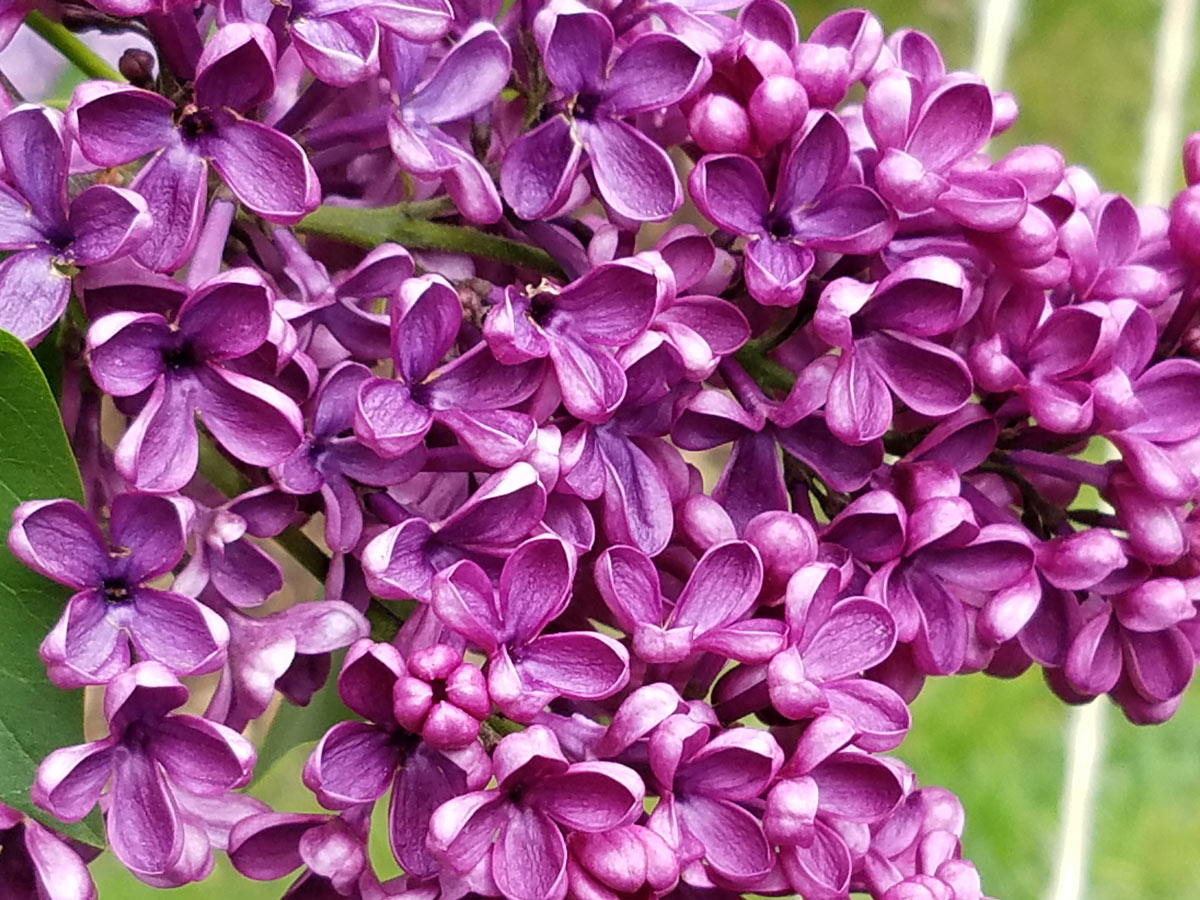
[[410, 275]]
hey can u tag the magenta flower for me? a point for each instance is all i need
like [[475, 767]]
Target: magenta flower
[[712, 613], [47, 234], [116, 124], [937, 566], [184, 366], [597, 90], [823, 793], [225, 560], [114, 607], [331, 459], [704, 783], [578, 325], [332, 850], [148, 758], [403, 560], [883, 333], [339, 42], [466, 81], [356, 762], [816, 206], [338, 307], [287, 651], [38, 864], [538, 794], [526, 668], [926, 132], [469, 395], [621, 862]]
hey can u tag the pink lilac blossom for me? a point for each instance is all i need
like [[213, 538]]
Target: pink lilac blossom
[[371, 285]]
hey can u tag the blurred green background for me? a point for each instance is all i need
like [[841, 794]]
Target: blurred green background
[[1082, 72]]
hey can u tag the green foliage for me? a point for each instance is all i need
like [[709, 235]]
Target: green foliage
[[35, 463]]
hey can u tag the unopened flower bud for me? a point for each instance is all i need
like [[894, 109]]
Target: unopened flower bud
[[777, 109], [1184, 230], [720, 125], [1191, 158], [138, 67], [443, 698]]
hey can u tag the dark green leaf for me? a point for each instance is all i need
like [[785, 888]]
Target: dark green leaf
[[35, 463]]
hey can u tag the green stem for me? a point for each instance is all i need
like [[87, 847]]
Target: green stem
[[371, 227], [75, 50], [300, 547], [769, 374]]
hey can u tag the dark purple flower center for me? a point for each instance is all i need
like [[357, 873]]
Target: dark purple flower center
[[116, 590], [180, 358], [438, 687], [541, 308], [195, 124], [585, 105], [780, 227], [421, 392]]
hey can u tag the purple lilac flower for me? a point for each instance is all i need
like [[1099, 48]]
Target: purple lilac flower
[[403, 560], [337, 307], [330, 460], [48, 234], [813, 208], [924, 130], [538, 794], [576, 326], [37, 864], [332, 850], [148, 757], [266, 170], [526, 668], [339, 42], [270, 653], [183, 365], [225, 560], [712, 613], [114, 608], [356, 762], [469, 395], [883, 333], [466, 81], [702, 781], [633, 175]]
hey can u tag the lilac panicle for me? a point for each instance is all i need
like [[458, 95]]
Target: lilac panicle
[[380, 295]]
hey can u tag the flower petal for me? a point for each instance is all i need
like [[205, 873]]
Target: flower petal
[[268, 171], [529, 859], [33, 293], [633, 174]]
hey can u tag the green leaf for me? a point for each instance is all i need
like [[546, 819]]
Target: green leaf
[[295, 725], [35, 463]]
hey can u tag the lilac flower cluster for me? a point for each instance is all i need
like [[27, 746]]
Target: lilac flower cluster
[[390, 272]]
